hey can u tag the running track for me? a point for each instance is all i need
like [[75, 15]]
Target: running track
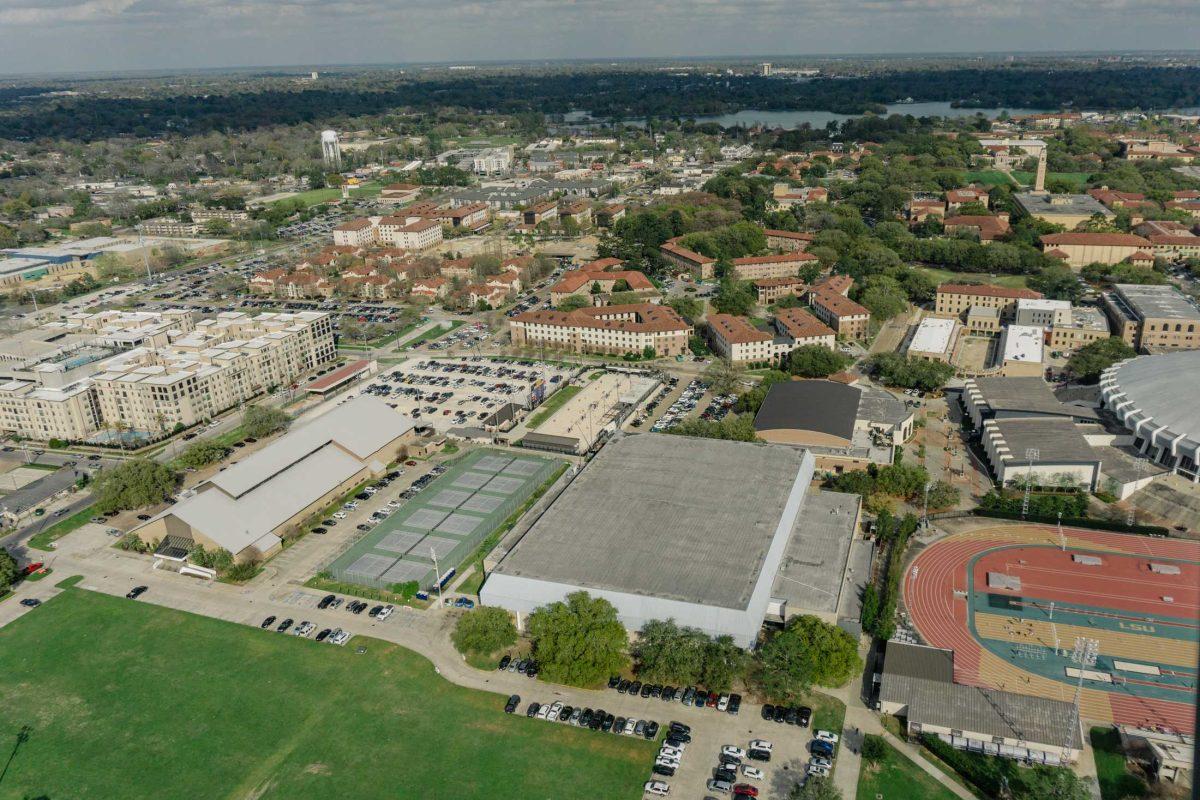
[[942, 618]]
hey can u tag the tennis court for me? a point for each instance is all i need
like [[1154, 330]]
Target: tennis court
[[439, 528]]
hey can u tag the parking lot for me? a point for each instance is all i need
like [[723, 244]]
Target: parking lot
[[693, 401], [465, 392]]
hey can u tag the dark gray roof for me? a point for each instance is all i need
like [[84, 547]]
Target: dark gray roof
[[827, 407], [922, 678], [1027, 397], [880, 406], [1057, 440], [667, 516]]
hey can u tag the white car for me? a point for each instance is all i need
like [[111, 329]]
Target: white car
[[667, 761], [385, 613], [340, 515], [557, 707], [730, 750], [341, 637], [660, 788], [304, 628], [826, 736], [821, 762], [543, 712], [672, 752], [761, 744], [630, 724], [723, 703], [820, 772], [754, 773]]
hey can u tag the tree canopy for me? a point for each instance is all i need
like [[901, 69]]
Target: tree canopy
[[259, 421], [135, 483], [484, 630], [807, 652], [816, 361], [1086, 363], [579, 642]]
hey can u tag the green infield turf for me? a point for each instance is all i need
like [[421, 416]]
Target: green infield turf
[[122, 699]]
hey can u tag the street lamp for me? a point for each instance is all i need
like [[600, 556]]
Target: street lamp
[[1084, 655], [1031, 454]]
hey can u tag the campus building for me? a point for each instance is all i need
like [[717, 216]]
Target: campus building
[[1154, 397], [848, 319], [608, 329], [144, 374], [249, 508], [670, 536], [956, 299], [785, 265], [1152, 318], [738, 340]]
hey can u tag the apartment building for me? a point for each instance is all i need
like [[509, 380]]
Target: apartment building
[[847, 318], [417, 235], [785, 265], [173, 374], [595, 277], [784, 195], [609, 329], [355, 233], [702, 267], [955, 299], [467, 217], [737, 339], [1081, 249], [919, 210], [1082, 326], [1151, 318], [957, 198], [801, 328], [540, 212], [230, 215], [165, 226], [1043, 312], [985, 228], [788, 241], [769, 290]]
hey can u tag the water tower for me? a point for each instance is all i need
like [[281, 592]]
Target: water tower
[[331, 151]]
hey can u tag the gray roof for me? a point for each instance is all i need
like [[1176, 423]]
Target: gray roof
[[1027, 397], [1057, 440], [810, 576], [1157, 302], [922, 678], [666, 516], [1162, 388], [244, 508], [827, 407], [1049, 205], [881, 406]]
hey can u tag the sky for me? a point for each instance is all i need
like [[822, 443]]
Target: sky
[[83, 35]]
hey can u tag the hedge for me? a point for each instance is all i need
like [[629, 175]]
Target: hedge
[[1076, 522]]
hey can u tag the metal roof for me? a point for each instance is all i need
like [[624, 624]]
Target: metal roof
[[823, 406], [922, 678], [667, 516]]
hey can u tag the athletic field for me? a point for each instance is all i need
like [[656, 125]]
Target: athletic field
[[1011, 603]]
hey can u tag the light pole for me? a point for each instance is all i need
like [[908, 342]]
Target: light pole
[[437, 573], [1031, 454], [925, 514], [1084, 655], [1062, 539]]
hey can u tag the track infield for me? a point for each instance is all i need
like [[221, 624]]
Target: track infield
[[1011, 602]]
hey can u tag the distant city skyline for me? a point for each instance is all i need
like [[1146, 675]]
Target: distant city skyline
[[44, 36]]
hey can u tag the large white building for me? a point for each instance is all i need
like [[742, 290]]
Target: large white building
[[94, 376]]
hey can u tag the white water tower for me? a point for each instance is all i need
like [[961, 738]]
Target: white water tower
[[331, 150]]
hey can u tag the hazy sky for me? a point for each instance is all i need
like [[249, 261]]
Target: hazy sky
[[80, 35]]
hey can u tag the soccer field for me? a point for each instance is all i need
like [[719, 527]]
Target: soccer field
[[130, 700]]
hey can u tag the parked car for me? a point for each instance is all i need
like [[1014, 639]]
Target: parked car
[[31, 602], [659, 788], [753, 773], [326, 601], [826, 736], [283, 626], [504, 662], [136, 592], [512, 704], [323, 635], [532, 710]]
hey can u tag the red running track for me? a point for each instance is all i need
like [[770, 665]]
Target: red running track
[[1121, 583], [942, 618]]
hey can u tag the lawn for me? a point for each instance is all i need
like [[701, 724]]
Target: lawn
[[949, 276], [898, 778], [330, 194], [1076, 179], [556, 401], [437, 331], [1116, 781], [131, 700], [989, 177], [44, 540]]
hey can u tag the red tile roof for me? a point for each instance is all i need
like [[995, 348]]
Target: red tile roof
[[800, 324], [1095, 239], [736, 330], [987, 290]]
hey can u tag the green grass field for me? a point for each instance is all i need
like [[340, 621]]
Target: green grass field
[[1076, 179], [1116, 781], [988, 177], [556, 401], [315, 197], [949, 276], [131, 700], [898, 778]]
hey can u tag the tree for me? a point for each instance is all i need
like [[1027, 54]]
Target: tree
[[259, 421], [816, 788], [573, 302], [734, 427], [724, 662], [579, 642], [942, 495], [668, 653], [201, 454], [816, 361], [884, 302], [133, 484], [723, 376], [1089, 361], [896, 370], [8, 569], [807, 651], [484, 630], [734, 297], [874, 748], [687, 307]]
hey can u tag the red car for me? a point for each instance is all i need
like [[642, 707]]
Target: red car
[[711, 702], [745, 790], [32, 567]]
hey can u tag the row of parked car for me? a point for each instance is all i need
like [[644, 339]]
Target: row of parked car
[[682, 406], [730, 703], [792, 715], [596, 720], [670, 754], [379, 612], [305, 629]]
